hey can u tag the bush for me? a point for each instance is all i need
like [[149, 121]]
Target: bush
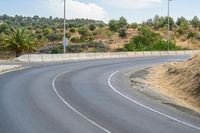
[[160, 45], [148, 40], [85, 47], [72, 30], [75, 39], [57, 50], [83, 31], [92, 27], [113, 25], [122, 33]]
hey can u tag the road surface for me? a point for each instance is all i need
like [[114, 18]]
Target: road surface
[[87, 97]]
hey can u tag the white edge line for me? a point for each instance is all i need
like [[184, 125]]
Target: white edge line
[[72, 108], [146, 107]]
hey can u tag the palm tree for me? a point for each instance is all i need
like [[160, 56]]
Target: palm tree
[[19, 40]]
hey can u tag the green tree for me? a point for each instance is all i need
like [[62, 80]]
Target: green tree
[[122, 22], [72, 30], [47, 31], [171, 22], [53, 37], [182, 20], [113, 25], [4, 27], [195, 22], [190, 36], [158, 22], [122, 33], [83, 31], [162, 22], [183, 28], [92, 27], [19, 40], [148, 40]]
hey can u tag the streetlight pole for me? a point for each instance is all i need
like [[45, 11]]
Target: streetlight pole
[[168, 36], [64, 38]]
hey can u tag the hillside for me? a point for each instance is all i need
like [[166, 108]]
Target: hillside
[[114, 41], [179, 80], [87, 35]]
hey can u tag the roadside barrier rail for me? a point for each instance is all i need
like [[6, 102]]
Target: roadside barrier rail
[[92, 56]]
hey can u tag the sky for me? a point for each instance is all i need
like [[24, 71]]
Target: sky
[[133, 10]]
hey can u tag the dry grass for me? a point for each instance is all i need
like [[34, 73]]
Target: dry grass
[[179, 81]]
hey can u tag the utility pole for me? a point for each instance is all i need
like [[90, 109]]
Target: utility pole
[[168, 36], [64, 37]]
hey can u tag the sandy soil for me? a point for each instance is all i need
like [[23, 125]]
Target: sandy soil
[[180, 81]]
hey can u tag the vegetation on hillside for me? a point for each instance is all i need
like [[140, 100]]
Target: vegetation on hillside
[[84, 47], [148, 40], [19, 40], [46, 34]]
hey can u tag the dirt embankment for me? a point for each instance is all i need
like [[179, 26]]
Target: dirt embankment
[[180, 81]]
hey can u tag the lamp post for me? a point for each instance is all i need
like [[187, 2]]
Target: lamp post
[[64, 37], [168, 36]]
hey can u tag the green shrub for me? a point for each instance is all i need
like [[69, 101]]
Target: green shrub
[[122, 33], [72, 30], [57, 50], [84, 47], [75, 39], [92, 27], [148, 40]]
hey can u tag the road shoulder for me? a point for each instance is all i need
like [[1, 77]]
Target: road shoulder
[[139, 81]]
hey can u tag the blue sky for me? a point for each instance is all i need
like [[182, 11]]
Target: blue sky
[[133, 10]]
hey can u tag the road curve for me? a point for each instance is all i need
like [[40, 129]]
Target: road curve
[[87, 97]]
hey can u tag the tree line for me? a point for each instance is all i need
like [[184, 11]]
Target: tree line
[[27, 34]]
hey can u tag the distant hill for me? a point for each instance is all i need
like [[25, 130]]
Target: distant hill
[[36, 21]]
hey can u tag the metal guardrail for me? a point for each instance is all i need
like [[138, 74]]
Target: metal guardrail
[[91, 56]]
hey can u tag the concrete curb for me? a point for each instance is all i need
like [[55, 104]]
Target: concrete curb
[[92, 56]]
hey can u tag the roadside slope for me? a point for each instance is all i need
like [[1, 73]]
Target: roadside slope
[[179, 80]]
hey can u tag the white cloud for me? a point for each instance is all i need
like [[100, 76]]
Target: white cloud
[[133, 4], [77, 9]]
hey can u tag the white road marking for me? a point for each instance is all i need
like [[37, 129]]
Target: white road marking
[[142, 105], [72, 108]]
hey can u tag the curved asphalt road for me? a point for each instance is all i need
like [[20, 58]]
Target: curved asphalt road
[[87, 97]]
